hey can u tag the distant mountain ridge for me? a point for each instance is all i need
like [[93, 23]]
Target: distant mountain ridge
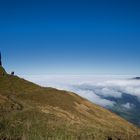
[[29, 112], [136, 78]]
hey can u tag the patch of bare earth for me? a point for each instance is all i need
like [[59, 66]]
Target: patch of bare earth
[[73, 119]]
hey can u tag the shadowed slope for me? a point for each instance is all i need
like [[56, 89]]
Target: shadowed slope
[[29, 111]]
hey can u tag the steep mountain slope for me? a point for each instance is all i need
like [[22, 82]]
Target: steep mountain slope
[[31, 112]]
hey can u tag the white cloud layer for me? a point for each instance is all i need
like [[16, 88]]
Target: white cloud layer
[[94, 88]]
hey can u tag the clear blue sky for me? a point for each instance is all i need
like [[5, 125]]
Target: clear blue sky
[[70, 36]]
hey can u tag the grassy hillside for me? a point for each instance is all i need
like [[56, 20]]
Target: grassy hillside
[[31, 112]]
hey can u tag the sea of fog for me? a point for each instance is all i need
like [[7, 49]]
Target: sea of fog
[[98, 89]]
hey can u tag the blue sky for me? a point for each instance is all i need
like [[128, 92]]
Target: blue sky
[[70, 37]]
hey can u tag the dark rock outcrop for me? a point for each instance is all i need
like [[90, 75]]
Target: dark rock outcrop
[[2, 71], [0, 60]]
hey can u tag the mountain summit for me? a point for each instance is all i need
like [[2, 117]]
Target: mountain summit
[[31, 112]]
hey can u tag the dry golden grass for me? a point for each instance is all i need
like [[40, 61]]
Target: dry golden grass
[[31, 112]]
